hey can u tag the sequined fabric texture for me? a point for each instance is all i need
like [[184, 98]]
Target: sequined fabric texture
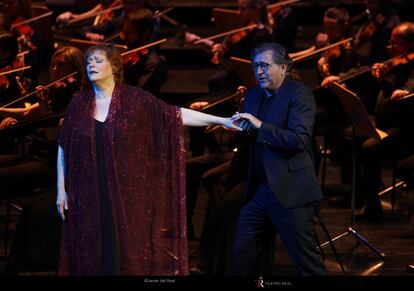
[[145, 172]]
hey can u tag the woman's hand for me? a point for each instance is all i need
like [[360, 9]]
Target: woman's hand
[[62, 203]]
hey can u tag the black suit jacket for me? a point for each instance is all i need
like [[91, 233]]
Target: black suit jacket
[[286, 134]]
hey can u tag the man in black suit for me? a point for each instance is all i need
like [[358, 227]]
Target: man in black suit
[[282, 190]]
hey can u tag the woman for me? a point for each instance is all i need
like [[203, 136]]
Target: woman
[[65, 61], [121, 177], [38, 230]]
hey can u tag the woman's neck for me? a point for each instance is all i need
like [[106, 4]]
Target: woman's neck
[[104, 89]]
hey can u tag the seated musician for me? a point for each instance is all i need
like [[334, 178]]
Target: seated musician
[[28, 37], [65, 61], [145, 68], [67, 16], [393, 115], [8, 54], [112, 26]]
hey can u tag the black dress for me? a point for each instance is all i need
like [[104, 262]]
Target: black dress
[[110, 263]]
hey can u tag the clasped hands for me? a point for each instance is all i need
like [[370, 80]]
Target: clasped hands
[[246, 121]]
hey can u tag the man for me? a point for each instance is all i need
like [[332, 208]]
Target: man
[[394, 116], [282, 189]]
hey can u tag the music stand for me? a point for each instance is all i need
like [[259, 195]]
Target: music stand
[[361, 126]]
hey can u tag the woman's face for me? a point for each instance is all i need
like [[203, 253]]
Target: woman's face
[[98, 67], [60, 67]]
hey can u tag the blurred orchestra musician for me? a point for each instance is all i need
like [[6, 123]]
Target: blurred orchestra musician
[[38, 230], [8, 54], [284, 25], [334, 61], [113, 25], [146, 68], [237, 45], [393, 115]]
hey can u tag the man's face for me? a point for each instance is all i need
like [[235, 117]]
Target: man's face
[[247, 13], [133, 5], [132, 35], [332, 28], [269, 75]]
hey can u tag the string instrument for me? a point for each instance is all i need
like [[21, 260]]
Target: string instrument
[[397, 61], [364, 36], [24, 32], [85, 44], [108, 14], [239, 96], [232, 37], [329, 56], [334, 52], [131, 57], [156, 15], [241, 92], [390, 63], [274, 9], [4, 82], [35, 92]]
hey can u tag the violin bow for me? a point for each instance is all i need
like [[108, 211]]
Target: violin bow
[[156, 14], [240, 92], [300, 58], [15, 70], [251, 26], [90, 42], [364, 70], [94, 14], [31, 19], [144, 47], [275, 5], [34, 92]]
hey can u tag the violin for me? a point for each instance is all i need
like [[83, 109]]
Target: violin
[[108, 14], [133, 58], [381, 69], [364, 35], [4, 82], [329, 56], [24, 33], [276, 8], [231, 40]]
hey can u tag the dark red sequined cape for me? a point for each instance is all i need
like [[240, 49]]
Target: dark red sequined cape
[[143, 145]]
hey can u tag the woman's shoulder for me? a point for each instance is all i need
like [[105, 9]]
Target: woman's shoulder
[[136, 94]]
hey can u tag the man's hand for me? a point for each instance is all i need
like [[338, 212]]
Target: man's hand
[[94, 36], [198, 105], [240, 117], [378, 70], [328, 80], [64, 17]]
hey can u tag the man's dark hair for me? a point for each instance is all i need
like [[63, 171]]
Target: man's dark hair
[[143, 18], [279, 52], [339, 14]]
